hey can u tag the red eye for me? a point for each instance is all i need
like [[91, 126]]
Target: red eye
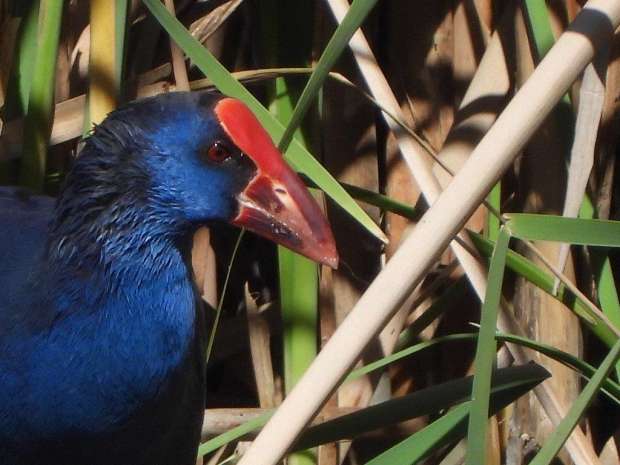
[[218, 152]]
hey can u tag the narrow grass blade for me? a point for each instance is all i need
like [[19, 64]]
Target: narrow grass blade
[[534, 274], [299, 284], [299, 158], [451, 426], [423, 402], [298, 279], [611, 388], [538, 19], [453, 294], [494, 199], [485, 354], [422, 443], [385, 361], [580, 231], [233, 435], [557, 439], [22, 72], [539, 23], [220, 303], [338, 42], [38, 122], [381, 201], [386, 203], [120, 46]]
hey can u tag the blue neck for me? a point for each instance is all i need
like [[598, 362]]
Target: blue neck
[[122, 303]]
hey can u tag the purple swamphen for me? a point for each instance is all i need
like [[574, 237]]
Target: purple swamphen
[[102, 338]]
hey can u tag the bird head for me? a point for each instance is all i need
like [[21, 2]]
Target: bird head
[[206, 158]]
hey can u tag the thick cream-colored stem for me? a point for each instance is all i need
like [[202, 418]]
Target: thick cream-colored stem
[[488, 161]]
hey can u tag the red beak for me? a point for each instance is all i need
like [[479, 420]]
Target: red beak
[[275, 204]]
